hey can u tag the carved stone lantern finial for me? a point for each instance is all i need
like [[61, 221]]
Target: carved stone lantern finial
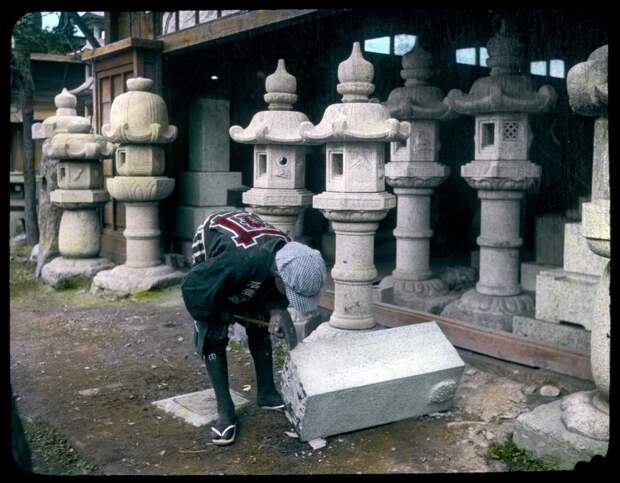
[[355, 75], [281, 89]]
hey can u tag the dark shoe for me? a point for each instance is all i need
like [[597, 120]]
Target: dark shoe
[[222, 435], [272, 402]]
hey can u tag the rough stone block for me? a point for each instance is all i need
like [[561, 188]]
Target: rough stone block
[[207, 188], [359, 380], [565, 296], [198, 408], [577, 255], [561, 335], [60, 269], [529, 272], [549, 241], [189, 217], [542, 432], [124, 280], [209, 141]]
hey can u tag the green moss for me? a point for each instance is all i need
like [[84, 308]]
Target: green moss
[[234, 345], [73, 283], [21, 250], [280, 352], [51, 452], [518, 459], [146, 295]]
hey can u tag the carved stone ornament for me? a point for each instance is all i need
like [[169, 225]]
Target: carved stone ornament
[[356, 118], [506, 89], [66, 118], [139, 116]]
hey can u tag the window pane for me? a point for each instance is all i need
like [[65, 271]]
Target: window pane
[[187, 19], [168, 23], [206, 15], [380, 45], [538, 67], [466, 56], [484, 55], [556, 68], [403, 43]]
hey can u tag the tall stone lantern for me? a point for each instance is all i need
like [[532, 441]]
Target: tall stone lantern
[[355, 199], [414, 173], [80, 191], [501, 172], [576, 427], [139, 123], [279, 192]]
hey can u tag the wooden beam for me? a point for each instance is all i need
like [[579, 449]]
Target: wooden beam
[[494, 343], [116, 47], [55, 58], [227, 26]]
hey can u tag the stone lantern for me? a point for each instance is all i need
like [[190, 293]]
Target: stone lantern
[[355, 132], [414, 173], [501, 172], [139, 123], [279, 193], [576, 428], [80, 191]]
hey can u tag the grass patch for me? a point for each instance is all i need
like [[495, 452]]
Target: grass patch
[[280, 351], [518, 459], [52, 454], [21, 278], [21, 250], [146, 295], [73, 283]]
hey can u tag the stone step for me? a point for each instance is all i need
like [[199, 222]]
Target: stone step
[[563, 296], [577, 255], [559, 335], [359, 380]]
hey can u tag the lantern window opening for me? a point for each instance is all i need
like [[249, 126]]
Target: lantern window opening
[[337, 164], [262, 164], [487, 130], [62, 172], [511, 131], [121, 157], [282, 161]]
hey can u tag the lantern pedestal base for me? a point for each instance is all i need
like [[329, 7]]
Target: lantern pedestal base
[[544, 432], [490, 311]]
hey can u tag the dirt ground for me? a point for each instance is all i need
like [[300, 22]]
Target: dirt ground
[[87, 369]]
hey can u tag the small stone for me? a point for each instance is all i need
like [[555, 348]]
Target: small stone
[[529, 390], [89, 392], [549, 391], [489, 435], [163, 452], [180, 339], [471, 371], [246, 388], [317, 443], [291, 434]]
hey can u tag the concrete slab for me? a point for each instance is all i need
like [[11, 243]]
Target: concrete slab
[[560, 335], [542, 432], [197, 408], [333, 385]]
